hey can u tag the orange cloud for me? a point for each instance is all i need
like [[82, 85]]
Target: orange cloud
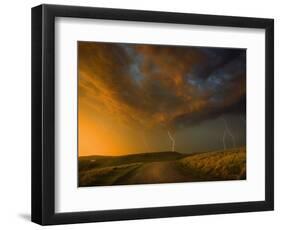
[[124, 88]]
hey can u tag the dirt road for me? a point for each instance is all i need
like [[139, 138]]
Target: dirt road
[[157, 172]]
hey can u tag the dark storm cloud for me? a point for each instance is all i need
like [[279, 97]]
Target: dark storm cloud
[[216, 59], [167, 85], [238, 107]]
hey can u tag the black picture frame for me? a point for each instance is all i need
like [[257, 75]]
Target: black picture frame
[[43, 114]]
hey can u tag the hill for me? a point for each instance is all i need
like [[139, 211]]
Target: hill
[[162, 167]]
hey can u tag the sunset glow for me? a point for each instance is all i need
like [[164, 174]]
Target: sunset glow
[[132, 95]]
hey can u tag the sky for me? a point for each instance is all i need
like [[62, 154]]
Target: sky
[[137, 98]]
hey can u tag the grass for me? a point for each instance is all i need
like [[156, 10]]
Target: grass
[[105, 176], [220, 165], [162, 167], [90, 162]]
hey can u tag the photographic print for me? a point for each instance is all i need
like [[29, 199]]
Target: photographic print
[[116, 107], [152, 114]]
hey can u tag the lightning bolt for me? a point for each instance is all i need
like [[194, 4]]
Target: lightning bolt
[[173, 141], [229, 132]]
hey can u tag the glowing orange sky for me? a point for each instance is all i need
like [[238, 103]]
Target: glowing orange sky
[[130, 96]]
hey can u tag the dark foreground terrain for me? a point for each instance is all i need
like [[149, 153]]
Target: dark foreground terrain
[[162, 167]]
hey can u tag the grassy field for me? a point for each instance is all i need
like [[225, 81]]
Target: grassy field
[[164, 167]]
